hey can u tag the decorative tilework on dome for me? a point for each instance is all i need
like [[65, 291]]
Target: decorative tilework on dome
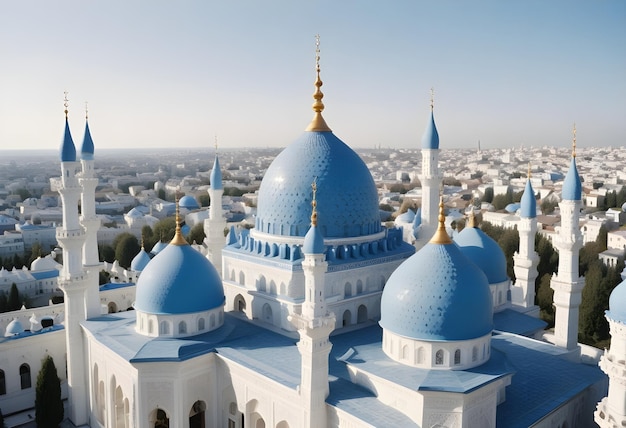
[[484, 252], [68, 149], [617, 303], [572, 188], [180, 280], [347, 199], [437, 294], [87, 149], [528, 203]]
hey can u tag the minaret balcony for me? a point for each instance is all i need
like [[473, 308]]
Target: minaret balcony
[[69, 234]]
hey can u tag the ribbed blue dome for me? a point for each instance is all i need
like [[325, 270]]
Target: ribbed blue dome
[[528, 202], [216, 175], [430, 139], [572, 188], [68, 149], [87, 149], [437, 294], [140, 261], [484, 252], [347, 199], [313, 242], [179, 280], [188, 202], [617, 303]]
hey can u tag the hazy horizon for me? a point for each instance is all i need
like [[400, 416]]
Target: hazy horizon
[[164, 74]]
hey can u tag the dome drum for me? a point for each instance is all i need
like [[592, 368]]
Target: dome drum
[[437, 355], [179, 325]]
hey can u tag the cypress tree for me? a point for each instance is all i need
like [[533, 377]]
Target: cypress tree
[[48, 402], [14, 299]]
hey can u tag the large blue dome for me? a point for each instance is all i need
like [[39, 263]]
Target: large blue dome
[[347, 199], [484, 252], [437, 294], [179, 280]]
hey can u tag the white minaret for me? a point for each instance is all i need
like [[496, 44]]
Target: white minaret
[[90, 222], [216, 223], [611, 411], [314, 325], [566, 283], [526, 259], [73, 280], [430, 178]]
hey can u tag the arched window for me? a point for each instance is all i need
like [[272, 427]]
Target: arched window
[[405, 352], [474, 353], [150, 327], [457, 357], [347, 290], [439, 357], [182, 327], [3, 384], [201, 324], [164, 328], [25, 376], [212, 320], [196, 415], [420, 355], [161, 419]]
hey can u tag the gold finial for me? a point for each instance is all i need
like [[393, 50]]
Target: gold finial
[[441, 236], [318, 123], [574, 142], [314, 203], [215, 143], [528, 173], [86, 111], [65, 103], [432, 99], [178, 235], [471, 219]]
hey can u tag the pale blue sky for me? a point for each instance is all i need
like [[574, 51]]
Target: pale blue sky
[[175, 73]]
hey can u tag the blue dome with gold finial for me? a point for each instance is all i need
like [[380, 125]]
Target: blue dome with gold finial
[[572, 187], [483, 251], [617, 303], [437, 294], [140, 261], [347, 193]]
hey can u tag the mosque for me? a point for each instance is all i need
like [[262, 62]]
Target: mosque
[[320, 316]]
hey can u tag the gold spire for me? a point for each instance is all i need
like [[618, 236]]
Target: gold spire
[[441, 236], [318, 123], [574, 142], [528, 173], [216, 144], [432, 99], [65, 103], [314, 203], [178, 235], [471, 219], [86, 111]]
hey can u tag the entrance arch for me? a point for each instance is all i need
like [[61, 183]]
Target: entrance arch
[[196, 415]]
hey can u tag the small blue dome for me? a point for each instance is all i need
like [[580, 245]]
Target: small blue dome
[[216, 175], [617, 303], [437, 294], [313, 242], [528, 203], [430, 139], [347, 198], [68, 150], [140, 261], [188, 202], [511, 208], [406, 217], [158, 247], [179, 281], [572, 188], [484, 252], [87, 150], [417, 220]]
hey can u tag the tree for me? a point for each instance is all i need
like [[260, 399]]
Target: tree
[[126, 248], [4, 304], [545, 296], [488, 196], [107, 253], [164, 230], [196, 234], [547, 206], [204, 200], [35, 252], [48, 402], [14, 302]]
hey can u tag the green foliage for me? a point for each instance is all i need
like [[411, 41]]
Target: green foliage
[[488, 196], [126, 248], [547, 206], [196, 234], [35, 252], [48, 402], [451, 181], [103, 277], [106, 253], [507, 239], [204, 200], [14, 302], [545, 296], [164, 230], [4, 303], [233, 191], [161, 194], [386, 207], [24, 193]]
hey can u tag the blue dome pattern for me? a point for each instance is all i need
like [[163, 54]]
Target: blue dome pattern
[[528, 203], [477, 246], [437, 294], [617, 303], [430, 139], [313, 242], [216, 175], [87, 149], [180, 281], [347, 198], [572, 188], [68, 149], [188, 202], [140, 261]]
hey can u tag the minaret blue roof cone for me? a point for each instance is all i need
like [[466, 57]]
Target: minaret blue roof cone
[[572, 188], [528, 203], [430, 140], [68, 150], [216, 175], [87, 150]]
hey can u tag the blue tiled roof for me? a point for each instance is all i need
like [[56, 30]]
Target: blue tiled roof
[[515, 322], [313, 242], [45, 274], [347, 199], [115, 285]]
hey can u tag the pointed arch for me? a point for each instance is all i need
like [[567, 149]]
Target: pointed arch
[[25, 380]]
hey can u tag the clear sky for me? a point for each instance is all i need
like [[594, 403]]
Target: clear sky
[[176, 73]]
